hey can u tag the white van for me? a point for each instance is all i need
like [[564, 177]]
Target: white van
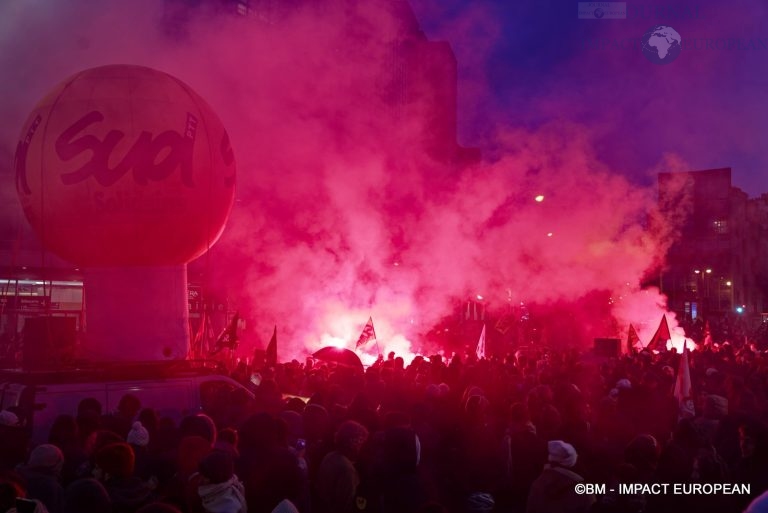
[[174, 389]]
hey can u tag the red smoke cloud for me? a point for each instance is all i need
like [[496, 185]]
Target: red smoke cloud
[[340, 214]]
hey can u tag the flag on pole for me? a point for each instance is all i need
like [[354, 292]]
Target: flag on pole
[[683, 383], [367, 334], [659, 340], [707, 335], [228, 338], [480, 350], [632, 340], [270, 357]]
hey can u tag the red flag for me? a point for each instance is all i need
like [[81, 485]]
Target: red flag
[[480, 349], [683, 382], [367, 334], [659, 340], [632, 340], [270, 358]]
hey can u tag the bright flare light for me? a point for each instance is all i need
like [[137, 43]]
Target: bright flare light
[[330, 340], [539, 198], [677, 343], [341, 327]]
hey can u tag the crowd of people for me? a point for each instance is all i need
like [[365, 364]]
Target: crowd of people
[[514, 434]]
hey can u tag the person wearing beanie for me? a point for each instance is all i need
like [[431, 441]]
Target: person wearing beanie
[[115, 465], [138, 438], [42, 474], [219, 488], [554, 490]]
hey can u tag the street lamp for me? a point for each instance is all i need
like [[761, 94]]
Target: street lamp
[[702, 290]]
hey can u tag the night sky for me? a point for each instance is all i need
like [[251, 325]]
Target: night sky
[[332, 225], [536, 61]]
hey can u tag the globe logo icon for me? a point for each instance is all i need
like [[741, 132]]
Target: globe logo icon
[[599, 13], [661, 44]]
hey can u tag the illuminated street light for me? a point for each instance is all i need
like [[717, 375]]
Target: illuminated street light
[[539, 198], [709, 271]]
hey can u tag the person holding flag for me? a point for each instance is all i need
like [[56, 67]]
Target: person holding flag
[[683, 392]]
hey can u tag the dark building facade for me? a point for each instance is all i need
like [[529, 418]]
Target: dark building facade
[[716, 267]]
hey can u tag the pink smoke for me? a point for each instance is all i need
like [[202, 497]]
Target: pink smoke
[[340, 212]]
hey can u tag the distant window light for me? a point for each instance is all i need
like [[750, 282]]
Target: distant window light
[[720, 226]]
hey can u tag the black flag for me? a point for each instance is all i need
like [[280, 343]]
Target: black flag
[[271, 356]]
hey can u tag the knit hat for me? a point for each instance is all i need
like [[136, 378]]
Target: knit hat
[[138, 435], [561, 453], [46, 456], [116, 459], [217, 467], [8, 418]]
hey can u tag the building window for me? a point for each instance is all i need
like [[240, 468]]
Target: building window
[[720, 226]]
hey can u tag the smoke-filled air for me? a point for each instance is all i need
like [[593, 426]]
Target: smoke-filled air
[[349, 202]]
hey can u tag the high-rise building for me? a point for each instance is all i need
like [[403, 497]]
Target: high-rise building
[[717, 265]]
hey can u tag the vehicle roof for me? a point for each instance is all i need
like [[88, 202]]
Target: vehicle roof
[[113, 371]]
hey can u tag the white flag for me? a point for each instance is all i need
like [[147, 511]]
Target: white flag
[[480, 350], [683, 382]]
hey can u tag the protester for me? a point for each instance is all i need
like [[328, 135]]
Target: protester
[[337, 477], [554, 490], [511, 435]]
